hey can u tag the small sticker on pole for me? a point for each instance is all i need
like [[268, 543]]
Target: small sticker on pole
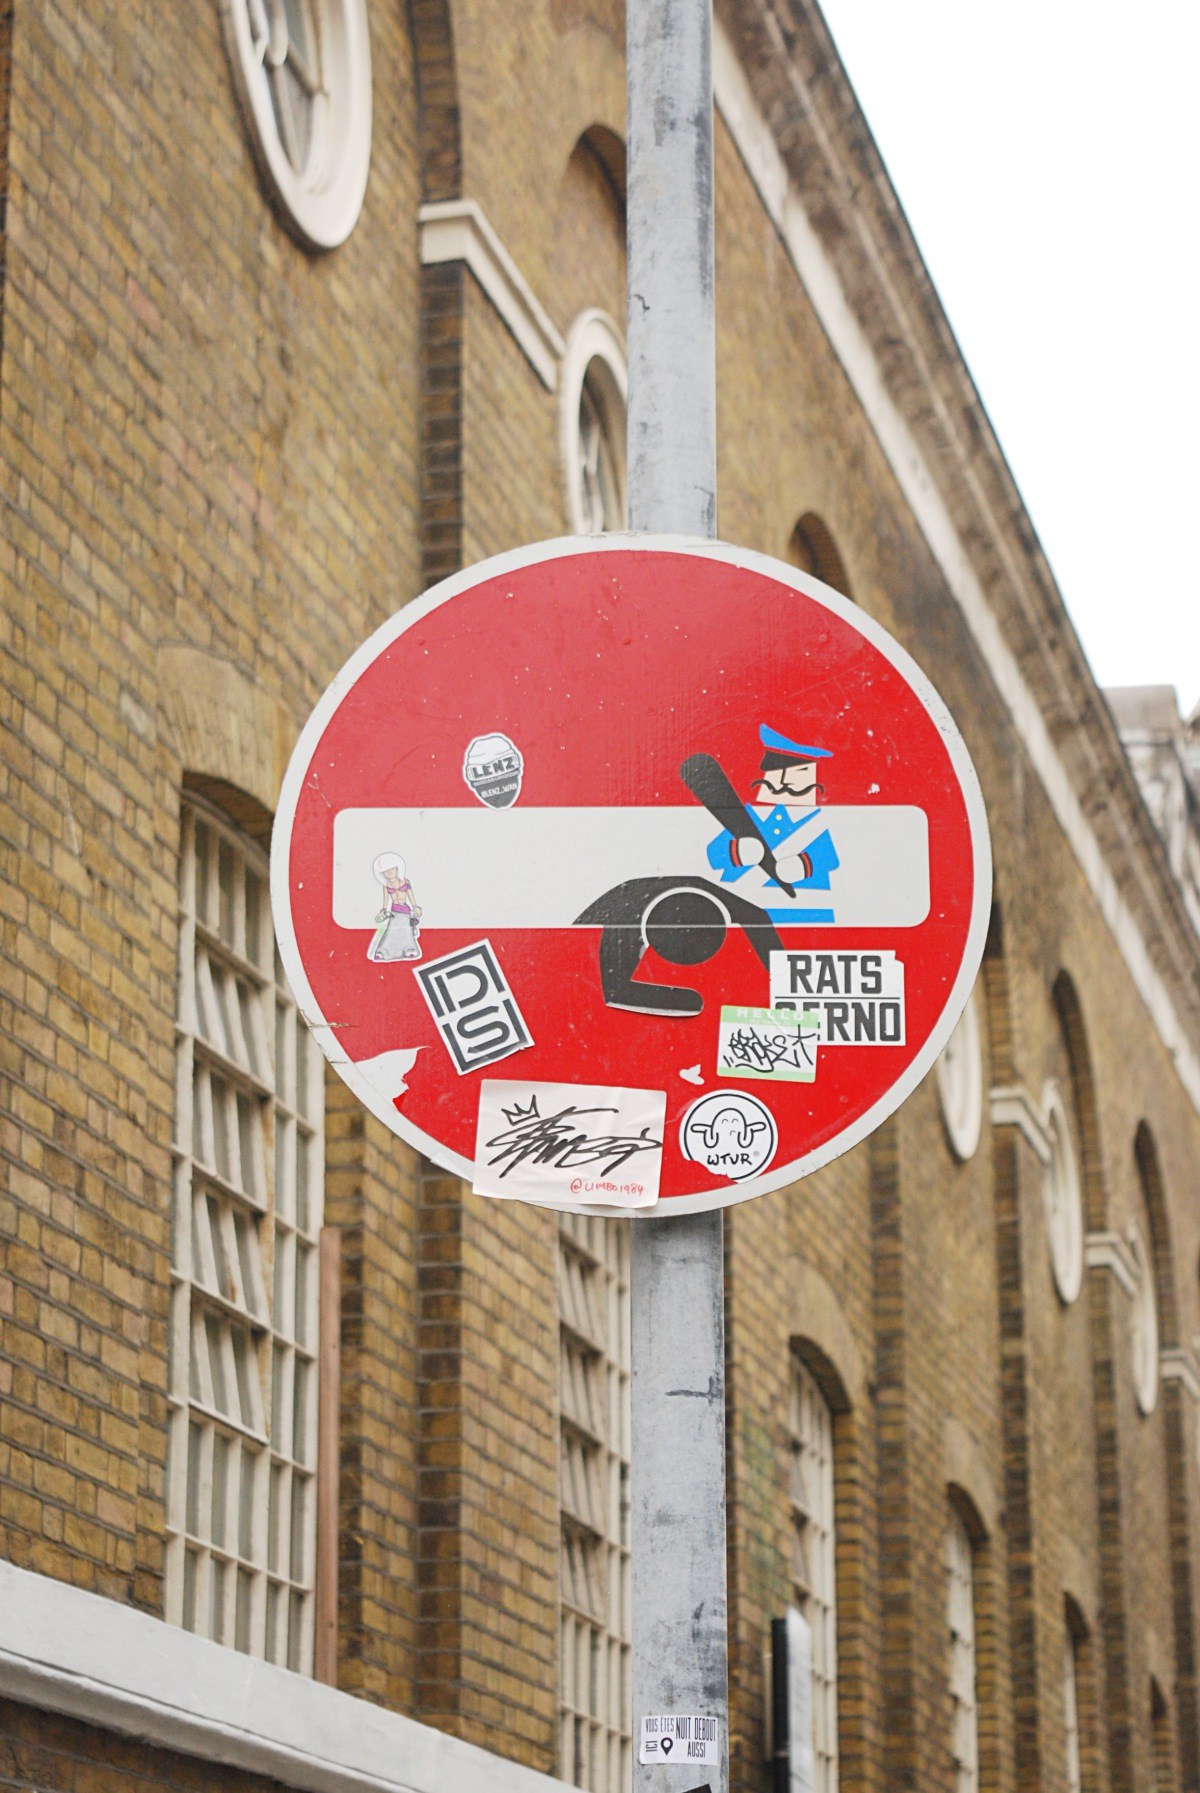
[[688, 1738]]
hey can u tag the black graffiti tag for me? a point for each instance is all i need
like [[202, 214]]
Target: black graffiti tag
[[755, 1050], [568, 1139]]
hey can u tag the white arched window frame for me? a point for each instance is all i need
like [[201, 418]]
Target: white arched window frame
[[1062, 1193], [302, 69], [593, 388], [959, 1073], [249, 1174], [960, 1612], [814, 1554]]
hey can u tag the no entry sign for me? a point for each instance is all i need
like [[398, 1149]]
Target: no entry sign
[[635, 873]]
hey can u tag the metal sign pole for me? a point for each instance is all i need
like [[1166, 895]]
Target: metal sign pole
[[680, 1649]]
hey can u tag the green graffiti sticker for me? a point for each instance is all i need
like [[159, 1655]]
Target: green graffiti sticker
[[776, 1045]]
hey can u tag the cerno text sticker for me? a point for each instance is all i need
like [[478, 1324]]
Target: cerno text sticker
[[856, 999], [689, 1738]]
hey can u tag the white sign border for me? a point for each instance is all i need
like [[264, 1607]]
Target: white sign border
[[563, 547]]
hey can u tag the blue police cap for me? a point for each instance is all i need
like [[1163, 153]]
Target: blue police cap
[[777, 743]]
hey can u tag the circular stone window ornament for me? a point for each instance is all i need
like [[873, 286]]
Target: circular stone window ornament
[[594, 386], [960, 1083], [303, 74], [1143, 1323], [1063, 1197]]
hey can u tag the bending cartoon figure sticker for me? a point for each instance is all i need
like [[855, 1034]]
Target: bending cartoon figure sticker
[[396, 934]]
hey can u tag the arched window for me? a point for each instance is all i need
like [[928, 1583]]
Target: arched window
[[302, 69], [812, 548], [1062, 1193], [959, 1073], [594, 1430], [811, 1487], [594, 386], [1143, 1322], [1074, 1764], [960, 1613], [249, 1171], [1079, 1702], [1160, 1737]]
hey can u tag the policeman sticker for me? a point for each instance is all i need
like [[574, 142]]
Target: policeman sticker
[[732, 1134]]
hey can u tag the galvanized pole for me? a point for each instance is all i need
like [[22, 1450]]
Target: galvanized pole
[[680, 1650]]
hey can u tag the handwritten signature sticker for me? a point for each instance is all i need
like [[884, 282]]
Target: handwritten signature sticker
[[579, 1143], [775, 1044]]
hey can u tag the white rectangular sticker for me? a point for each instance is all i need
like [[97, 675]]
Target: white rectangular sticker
[[779, 1045], [684, 1737], [578, 1143], [858, 998]]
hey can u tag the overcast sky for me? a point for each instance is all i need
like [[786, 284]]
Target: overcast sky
[[1047, 154]]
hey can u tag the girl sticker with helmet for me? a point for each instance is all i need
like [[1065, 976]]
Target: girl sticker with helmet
[[396, 935]]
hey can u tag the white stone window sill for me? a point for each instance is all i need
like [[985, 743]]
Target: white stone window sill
[[73, 1653]]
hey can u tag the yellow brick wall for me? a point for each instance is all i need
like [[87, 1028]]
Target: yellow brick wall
[[207, 441]]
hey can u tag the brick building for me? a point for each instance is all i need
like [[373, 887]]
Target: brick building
[[312, 1464]]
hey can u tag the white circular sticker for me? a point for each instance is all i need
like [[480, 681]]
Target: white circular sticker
[[732, 1134]]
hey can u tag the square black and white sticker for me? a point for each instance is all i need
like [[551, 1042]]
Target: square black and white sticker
[[689, 1738], [476, 1012]]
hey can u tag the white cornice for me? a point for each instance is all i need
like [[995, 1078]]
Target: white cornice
[[1011, 1105], [458, 230], [1108, 1251], [1177, 1364], [765, 165], [65, 1651]]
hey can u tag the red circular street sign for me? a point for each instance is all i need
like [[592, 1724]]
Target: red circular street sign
[[631, 872]]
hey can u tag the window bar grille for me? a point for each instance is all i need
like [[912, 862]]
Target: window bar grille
[[594, 1429], [964, 1734], [810, 1430], [241, 1495]]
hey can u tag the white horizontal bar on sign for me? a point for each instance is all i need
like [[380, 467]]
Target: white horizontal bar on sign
[[541, 868]]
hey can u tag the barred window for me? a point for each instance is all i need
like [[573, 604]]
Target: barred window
[[241, 1499], [594, 1427], [964, 1732], [1071, 1714], [810, 1429]]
